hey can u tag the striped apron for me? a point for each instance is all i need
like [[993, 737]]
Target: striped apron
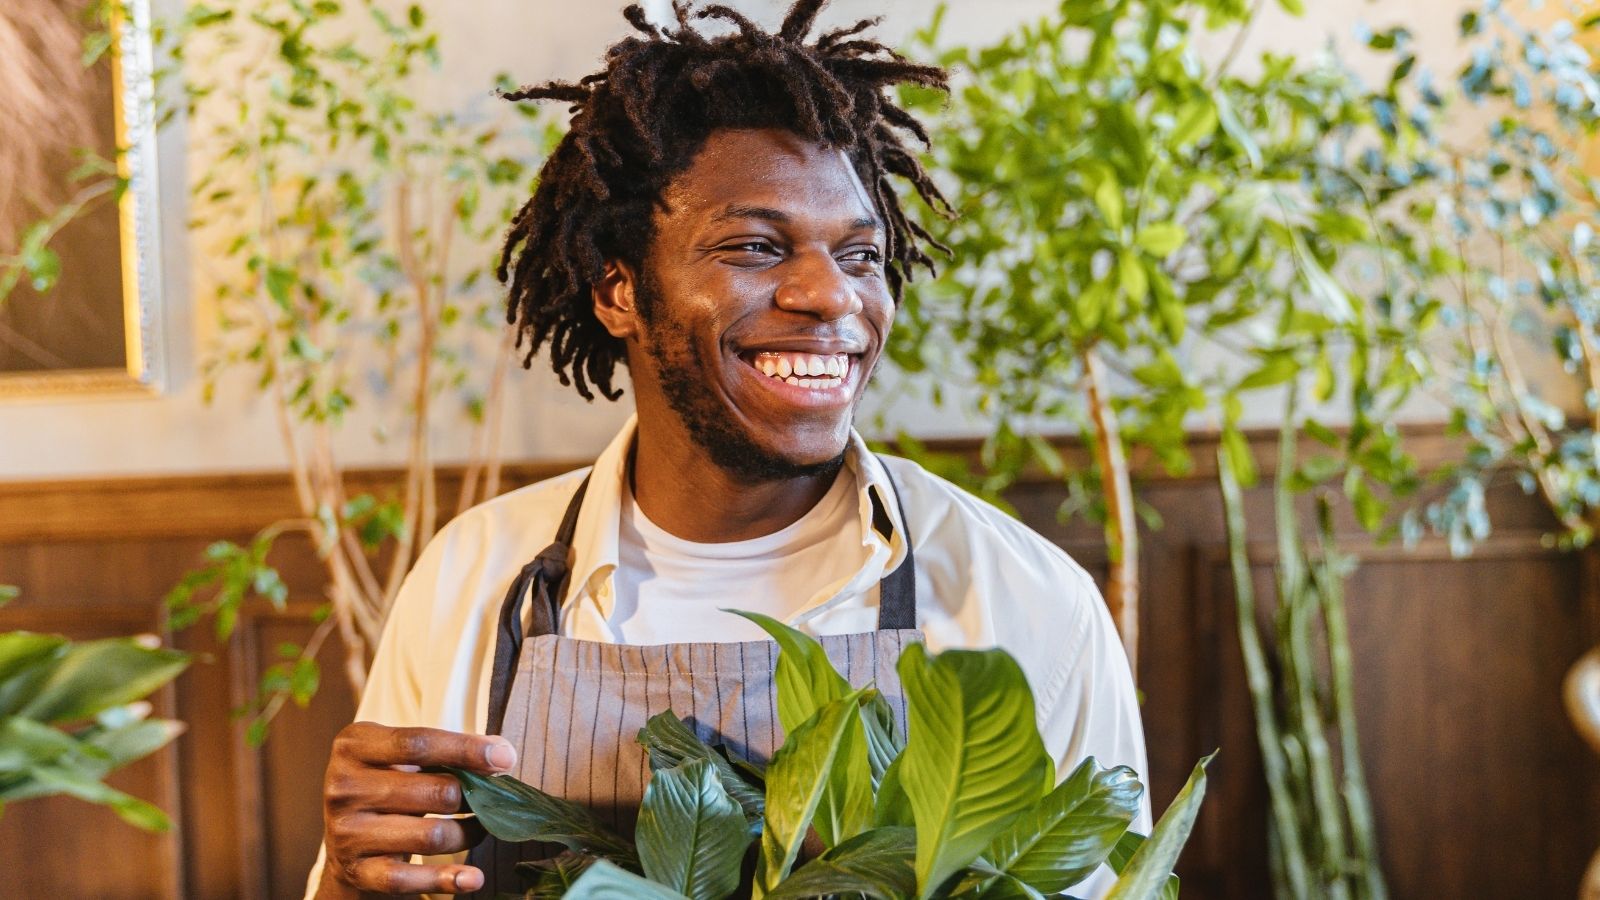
[[573, 708]]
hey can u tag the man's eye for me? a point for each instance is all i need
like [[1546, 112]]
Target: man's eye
[[751, 247], [865, 254]]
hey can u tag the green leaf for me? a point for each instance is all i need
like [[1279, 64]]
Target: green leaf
[[1275, 369], [1160, 239], [670, 743], [1123, 852], [97, 675], [1196, 122], [1108, 197], [806, 682], [606, 881], [1068, 834], [553, 878], [26, 659], [691, 835], [974, 759], [1145, 877], [136, 812], [279, 281], [134, 741], [796, 780], [877, 864], [516, 812], [1234, 129]]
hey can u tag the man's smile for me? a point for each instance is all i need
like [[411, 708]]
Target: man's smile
[[798, 378]]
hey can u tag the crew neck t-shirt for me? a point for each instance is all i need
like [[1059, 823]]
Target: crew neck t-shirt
[[670, 590]]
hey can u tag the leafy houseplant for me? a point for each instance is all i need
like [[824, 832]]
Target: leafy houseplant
[[965, 807], [72, 713]]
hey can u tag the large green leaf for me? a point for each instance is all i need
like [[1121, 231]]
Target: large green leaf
[[796, 781], [806, 681], [670, 743], [98, 675], [974, 758], [1145, 877], [877, 864], [517, 812], [25, 743], [135, 740], [692, 835], [1068, 834], [892, 807], [607, 881], [1124, 851]]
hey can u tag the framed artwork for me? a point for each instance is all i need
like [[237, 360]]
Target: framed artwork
[[99, 327]]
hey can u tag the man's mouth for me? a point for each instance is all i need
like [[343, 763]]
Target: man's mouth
[[803, 370]]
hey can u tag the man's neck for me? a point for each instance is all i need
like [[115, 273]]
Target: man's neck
[[680, 489]]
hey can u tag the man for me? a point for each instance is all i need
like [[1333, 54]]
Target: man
[[720, 218]]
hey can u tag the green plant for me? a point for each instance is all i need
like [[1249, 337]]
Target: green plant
[[966, 807], [72, 713], [1323, 842], [1146, 239]]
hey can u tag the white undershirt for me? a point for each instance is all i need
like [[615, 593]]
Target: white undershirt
[[670, 590]]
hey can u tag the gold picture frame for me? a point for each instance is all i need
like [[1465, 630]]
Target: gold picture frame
[[137, 226]]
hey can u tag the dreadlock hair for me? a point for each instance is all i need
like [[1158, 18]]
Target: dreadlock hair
[[640, 121]]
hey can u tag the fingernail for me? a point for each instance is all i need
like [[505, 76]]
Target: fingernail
[[468, 879], [500, 756]]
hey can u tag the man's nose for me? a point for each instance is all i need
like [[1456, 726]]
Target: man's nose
[[814, 284]]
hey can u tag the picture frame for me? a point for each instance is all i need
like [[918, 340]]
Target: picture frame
[[122, 351]]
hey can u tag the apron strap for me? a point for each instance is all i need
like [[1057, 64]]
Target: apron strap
[[897, 593], [544, 581]]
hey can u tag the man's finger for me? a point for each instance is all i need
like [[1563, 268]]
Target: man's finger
[[387, 791], [388, 875], [377, 834], [377, 745]]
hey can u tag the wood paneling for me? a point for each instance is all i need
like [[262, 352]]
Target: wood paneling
[[1481, 787]]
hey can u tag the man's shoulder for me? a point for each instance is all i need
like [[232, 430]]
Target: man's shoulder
[[966, 525], [526, 514]]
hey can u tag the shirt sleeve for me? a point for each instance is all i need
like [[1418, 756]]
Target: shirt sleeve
[[1090, 708]]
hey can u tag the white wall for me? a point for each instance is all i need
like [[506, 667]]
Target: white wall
[[533, 39]]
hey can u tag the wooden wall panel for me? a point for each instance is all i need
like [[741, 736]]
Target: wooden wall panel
[[1481, 788]]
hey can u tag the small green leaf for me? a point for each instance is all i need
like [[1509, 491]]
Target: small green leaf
[[877, 864], [796, 781], [516, 812], [97, 675], [1161, 239], [1145, 877], [1068, 834], [1124, 851], [670, 743], [691, 834], [607, 881]]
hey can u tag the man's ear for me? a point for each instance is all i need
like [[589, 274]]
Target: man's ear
[[615, 300]]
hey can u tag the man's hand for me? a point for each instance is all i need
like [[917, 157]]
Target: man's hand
[[374, 799]]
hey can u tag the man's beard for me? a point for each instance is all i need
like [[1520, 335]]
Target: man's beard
[[686, 382]]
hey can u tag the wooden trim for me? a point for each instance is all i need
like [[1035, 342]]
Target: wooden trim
[[216, 505]]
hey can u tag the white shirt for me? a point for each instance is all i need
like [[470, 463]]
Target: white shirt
[[670, 590], [983, 579]]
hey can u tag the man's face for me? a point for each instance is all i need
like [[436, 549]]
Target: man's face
[[763, 304]]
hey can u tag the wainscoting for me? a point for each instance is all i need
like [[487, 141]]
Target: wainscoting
[[1481, 787]]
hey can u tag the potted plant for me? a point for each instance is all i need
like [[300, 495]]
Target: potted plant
[[965, 806]]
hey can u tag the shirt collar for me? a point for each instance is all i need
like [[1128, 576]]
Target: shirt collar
[[596, 534]]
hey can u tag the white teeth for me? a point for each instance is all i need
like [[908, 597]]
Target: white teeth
[[803, 369]]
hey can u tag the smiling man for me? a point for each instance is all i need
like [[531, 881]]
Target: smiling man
[[721, 220]]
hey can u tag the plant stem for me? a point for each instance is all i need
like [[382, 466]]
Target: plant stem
[[1285, 825], [1330, 573], [1122, 524]]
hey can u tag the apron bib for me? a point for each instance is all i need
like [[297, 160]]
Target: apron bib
[[574, 708]]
